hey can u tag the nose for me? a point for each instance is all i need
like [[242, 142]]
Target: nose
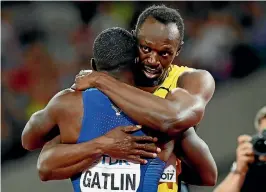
[[153, 59]]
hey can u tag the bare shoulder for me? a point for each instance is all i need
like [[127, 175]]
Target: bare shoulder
[[65, 99], [199, 75], [68, 94], [197, 82]]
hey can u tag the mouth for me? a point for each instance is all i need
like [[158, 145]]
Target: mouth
[[152, 72]]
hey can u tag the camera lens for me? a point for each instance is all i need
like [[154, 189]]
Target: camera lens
[[260, 146]]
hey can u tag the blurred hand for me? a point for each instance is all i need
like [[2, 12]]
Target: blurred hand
[[244, 153], [119, 143], [86, 79], [262, 158]]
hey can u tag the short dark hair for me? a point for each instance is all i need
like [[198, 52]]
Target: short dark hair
[[164, 15], [113, 49]]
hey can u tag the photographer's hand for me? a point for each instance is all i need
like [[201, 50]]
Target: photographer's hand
[[244, 154], [262, 158]]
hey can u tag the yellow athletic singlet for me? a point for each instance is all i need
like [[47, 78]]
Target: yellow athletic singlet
[[170, 83]]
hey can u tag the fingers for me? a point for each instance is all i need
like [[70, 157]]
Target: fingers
[[144, 138], [262, 158], [74, 86], [80, 80], [130, 129], [136, 159], [148, 147], [244, 138], [245, 152], [245, 149], [84, 72], [144, 154], [247, 159]]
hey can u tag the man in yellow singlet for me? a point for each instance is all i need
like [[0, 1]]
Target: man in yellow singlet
[[160, 32], [179, 98]]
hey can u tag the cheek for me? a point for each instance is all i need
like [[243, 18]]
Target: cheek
[[263, 124], [141, 55], [167, 61], [171, 58]]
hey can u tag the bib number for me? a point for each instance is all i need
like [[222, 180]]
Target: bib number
[[169, 174]]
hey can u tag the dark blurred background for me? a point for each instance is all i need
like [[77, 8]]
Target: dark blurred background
[[45, 44]]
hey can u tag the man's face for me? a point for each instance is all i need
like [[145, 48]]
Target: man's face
[[262, 124], [158, 45]]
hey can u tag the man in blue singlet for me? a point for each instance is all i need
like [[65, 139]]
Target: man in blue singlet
[[92, 127]]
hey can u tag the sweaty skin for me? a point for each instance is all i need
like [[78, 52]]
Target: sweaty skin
[[62, 108], [183, 107]]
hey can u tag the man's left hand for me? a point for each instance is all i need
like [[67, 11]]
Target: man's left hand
[[85, 79]]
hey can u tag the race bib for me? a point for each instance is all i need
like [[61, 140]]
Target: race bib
[[169, 173], [109, 174]]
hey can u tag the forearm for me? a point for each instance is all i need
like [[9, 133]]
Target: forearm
[[143, 107], [189, 176], [232, 183], [199, 165], [62, 161]]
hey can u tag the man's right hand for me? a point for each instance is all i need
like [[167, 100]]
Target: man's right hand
[[119, 143], [244, 153]]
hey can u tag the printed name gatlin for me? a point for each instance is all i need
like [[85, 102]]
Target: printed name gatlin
[[107, 181]]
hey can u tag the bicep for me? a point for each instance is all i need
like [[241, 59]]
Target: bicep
[[38, 126], [41, 124], [194, 91], [198, 83]]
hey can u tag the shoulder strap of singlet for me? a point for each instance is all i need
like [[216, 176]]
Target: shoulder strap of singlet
[[91, 97], [169, 79]]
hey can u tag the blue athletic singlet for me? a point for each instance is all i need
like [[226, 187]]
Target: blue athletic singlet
[[109, 174]]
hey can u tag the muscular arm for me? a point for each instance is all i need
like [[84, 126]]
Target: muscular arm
[[184, 107], [38, 126], [43, 124], [61, 161], [198, 165]]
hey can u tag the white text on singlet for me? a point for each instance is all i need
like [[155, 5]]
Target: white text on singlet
[[109, 174]]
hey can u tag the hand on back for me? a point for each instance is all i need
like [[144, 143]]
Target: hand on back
[[121, 144]]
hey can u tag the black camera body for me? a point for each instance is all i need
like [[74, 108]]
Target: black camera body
[[259, 143]]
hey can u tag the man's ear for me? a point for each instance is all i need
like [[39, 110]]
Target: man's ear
[[136, 60], [93, 65], [133, 32], [179, 49]]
